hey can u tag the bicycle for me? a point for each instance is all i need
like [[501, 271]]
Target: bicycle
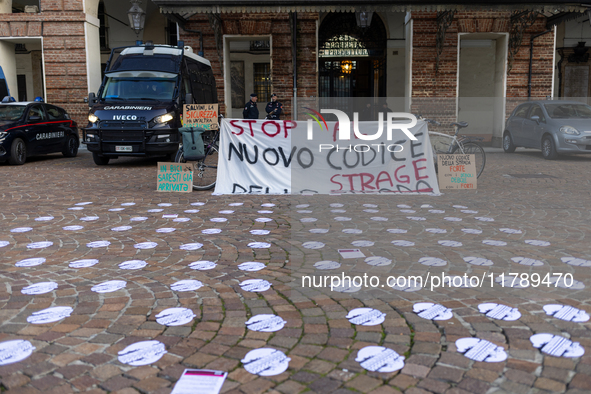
[[456, 144], [205, 171]]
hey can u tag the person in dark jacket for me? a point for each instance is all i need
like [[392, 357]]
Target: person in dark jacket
[[274, 108], [250, 109]]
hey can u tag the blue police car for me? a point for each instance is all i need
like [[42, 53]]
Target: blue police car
[[33, 128]]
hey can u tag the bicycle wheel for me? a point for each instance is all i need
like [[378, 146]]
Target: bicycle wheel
[[205, 171], [472, 148]]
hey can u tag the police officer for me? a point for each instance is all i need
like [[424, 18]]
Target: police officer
[[274, 108], [250, 109]]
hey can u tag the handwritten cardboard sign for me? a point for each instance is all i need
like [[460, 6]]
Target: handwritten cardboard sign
[[175, 177], [456, 171], [204, 116]]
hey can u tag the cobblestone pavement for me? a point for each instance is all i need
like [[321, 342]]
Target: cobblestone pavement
[[542, 207]]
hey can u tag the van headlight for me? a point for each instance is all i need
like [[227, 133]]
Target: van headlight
[[92, 118], [569, 130], [164, 118]]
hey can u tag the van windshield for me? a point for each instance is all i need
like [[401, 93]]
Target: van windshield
[[131, 88]]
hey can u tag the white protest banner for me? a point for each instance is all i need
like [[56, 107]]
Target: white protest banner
[[282, 157]]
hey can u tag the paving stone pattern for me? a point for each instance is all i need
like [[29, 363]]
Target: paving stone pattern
[[79, 353]]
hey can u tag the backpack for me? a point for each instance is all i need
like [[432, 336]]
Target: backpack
[[193, 148]]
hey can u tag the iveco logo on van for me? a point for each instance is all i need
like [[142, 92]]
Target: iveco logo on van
[[124, 117]]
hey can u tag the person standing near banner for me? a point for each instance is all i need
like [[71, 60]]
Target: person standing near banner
[[274, 108], [250, 109]]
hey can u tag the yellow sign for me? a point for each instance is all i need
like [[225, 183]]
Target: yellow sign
[[175, 177], [204, 116], [456, 171]]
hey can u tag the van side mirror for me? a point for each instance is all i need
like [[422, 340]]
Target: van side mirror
[[91, 99], [189, 98], [536, 119]]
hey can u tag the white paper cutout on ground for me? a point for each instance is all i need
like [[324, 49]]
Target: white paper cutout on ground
[[259, 245], [85, 263], [39, 288], [499, 311], [362, 243], [175, 317], [236, 204], [202, 265], [181, 220], [32, 262], [436, 211], [308, 220], [416, 218], [481, 350], [133, 265], [155, 210], [15, 350], [379, 359], [265, 362], [121, 228], [75, 208], [327, 265], [566, 312], [302, 206], [165, 230], [378, 261], [407, 211], [346, 287], [109, 286], [365, 317], [342, 219], [431, 311], [267, 205], [452, 244], [432, 261], [256, 285], [89, 218], [313, 245], [460, 207], [576, 261], [211, 231], [265, 323], [403, 284], [426, 206], [145, 245], [192, 211], [142, 353], [527, 261], [338, 210], [44, 218], [128, 204], [98, 244], [401, 242], [263, 220], [50, 315], [191, 246], [562, 283], [165, 204], [336, 205], [83, 203], [510, 231], [403, 206], [6, 243], [370, 205], [436, 230], [478, 261], [303, 211], [371, 210], [19, 230], [351, 231], [260, 232], [38, 245], [218, 220], [397, 231], [484, 219], [170, 216], [318, 230], [511, 281], [536, 242], [197, 204], [556, 345], [472, 231], [452, 219], [72, 228], [186, 285], [468, 211], [267, 211], [379, 218], [251, 266], [116, 209], [138, 219], [351, 253], [226, 212], [492, 242]]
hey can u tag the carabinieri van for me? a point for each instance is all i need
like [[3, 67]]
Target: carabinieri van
[[137, 109]]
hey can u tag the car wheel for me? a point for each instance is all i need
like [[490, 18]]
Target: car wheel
[[100, 160], [71, 147], [548, 149], [18, 152], [508, 146]]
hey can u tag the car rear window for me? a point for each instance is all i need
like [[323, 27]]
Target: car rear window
[[568, 111], [11, 112]]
